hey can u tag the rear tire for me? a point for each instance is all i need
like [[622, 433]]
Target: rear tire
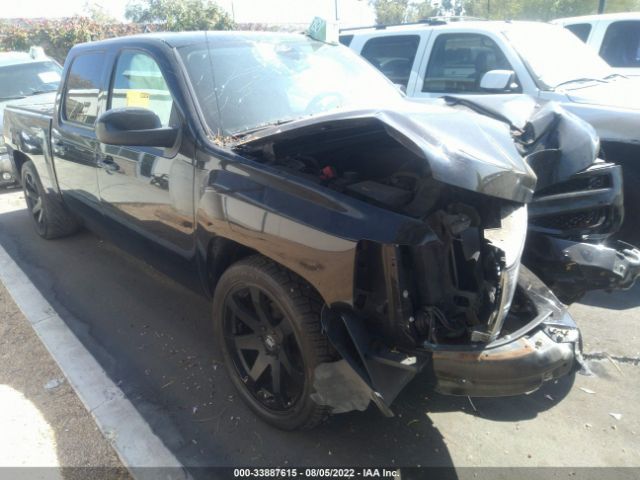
[[50, 216], [267, 323]]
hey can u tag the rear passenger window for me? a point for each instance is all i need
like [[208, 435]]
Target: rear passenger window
[[580, 30], [393, 55], [138, 82], [621, 44], [82, 88]]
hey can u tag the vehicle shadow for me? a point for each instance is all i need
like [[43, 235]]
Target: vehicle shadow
[[421, 396], [618, 300]]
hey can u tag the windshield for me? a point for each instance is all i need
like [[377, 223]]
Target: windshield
[[245, 82], [24, 79], [555, 55]]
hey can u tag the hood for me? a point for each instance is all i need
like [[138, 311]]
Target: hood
[[461, 149], [618, 93]]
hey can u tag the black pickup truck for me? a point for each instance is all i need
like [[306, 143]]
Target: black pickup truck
[[348, 238]]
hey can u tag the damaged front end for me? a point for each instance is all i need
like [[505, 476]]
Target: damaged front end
[[463, 294]]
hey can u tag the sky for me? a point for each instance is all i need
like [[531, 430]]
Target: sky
[[350, 12]]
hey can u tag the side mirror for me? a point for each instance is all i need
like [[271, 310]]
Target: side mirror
[[134, 126], [498, 80]]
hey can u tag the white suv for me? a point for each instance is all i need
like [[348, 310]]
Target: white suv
[[615, 36], [493, 62]]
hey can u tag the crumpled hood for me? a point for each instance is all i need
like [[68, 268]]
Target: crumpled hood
[[462, 149], [619, 93]]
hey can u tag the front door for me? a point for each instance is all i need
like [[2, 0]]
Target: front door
[[149, 190]]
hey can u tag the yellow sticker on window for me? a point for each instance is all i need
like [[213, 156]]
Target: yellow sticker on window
[[136, 98]]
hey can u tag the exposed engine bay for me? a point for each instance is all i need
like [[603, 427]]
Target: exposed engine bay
[[495, 227]]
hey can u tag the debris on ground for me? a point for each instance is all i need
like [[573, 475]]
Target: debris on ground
[[617, 416], [587, 390], [53, 383], [615, 364]]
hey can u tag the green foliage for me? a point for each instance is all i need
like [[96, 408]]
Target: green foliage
[[179, 15], [98, 13], [542, 9], [58, 36], [399, 11]]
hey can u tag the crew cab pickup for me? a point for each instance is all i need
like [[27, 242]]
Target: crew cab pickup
[[348, 238]]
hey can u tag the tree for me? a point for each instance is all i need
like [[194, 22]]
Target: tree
[[541, 9], [400, 11], [98, 13], [179, 15], [390, 11]]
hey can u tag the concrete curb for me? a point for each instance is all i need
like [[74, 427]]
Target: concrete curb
[[140, 450]]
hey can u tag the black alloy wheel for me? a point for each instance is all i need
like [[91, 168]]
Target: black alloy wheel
[[34, 200], [263, 348], [267, 323]]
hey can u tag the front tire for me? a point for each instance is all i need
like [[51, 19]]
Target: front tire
[[267, 322], [51, 218]]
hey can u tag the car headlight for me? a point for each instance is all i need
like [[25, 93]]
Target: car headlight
[[509, 239]]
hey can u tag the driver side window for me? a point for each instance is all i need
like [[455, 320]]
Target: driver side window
[[138, 82], [459, 60]]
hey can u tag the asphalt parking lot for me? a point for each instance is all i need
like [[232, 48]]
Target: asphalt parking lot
[[154, 339]]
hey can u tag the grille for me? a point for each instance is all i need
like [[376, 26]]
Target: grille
[[576, 220]]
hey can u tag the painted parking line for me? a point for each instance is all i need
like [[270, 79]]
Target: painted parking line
[[137, 446]]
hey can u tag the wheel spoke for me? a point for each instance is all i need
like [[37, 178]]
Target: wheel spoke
[[242, 314], [293, 372], [259, 366], [258, 306], [248, 342], [37, 207], [40, 216], [276, 376], [285, 327]]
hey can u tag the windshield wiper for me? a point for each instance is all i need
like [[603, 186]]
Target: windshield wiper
[[481, 109], [38, 92], [580, 80], [14, 97], [613, 75], [264, 126]]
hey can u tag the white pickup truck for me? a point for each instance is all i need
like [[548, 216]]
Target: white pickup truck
[[494, 62]]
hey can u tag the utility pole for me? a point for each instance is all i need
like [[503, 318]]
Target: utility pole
[[336, 8], [488, 9], [602, 5]]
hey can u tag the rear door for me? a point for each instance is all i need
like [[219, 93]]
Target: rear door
[[73, 138], [146, 189], [395, 56]]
